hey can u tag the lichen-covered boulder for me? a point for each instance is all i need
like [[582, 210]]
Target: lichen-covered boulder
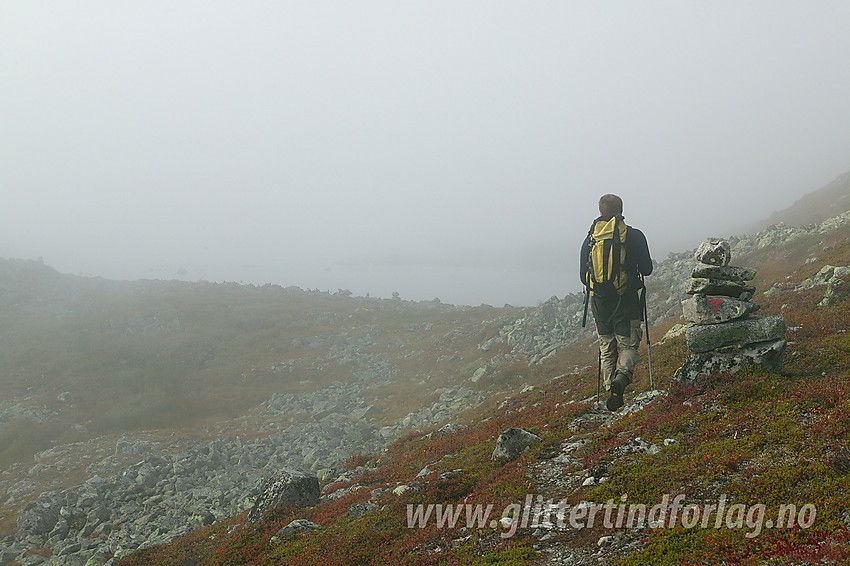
[[39, 518], [287, 488], [765, 354], [824, 277], [727, 288], [737, 332], [726, 272], [512, 443], [296, 527], [711, 309], [715, 251]]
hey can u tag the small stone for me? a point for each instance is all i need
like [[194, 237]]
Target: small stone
[[676, 330], [715, 251], [449, 428], [481, 372], [359, 509], [402, 489], [66, 397], [378, 494], [364, 412], [70, 549]]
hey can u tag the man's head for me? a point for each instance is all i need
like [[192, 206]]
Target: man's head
[[610, 206]]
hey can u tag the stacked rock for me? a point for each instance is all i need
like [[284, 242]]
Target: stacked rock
[[724, 334]]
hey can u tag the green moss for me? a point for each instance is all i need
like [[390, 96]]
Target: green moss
[[665, 548], [517, 554]]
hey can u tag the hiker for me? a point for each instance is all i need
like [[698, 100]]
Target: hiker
[[612, 270]]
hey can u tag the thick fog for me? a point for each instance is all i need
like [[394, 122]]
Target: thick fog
[[451, 149]]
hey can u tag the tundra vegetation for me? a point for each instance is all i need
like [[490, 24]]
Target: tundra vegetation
[[756, 436], [86, 359]]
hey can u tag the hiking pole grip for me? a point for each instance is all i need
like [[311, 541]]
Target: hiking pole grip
[[586, 301]]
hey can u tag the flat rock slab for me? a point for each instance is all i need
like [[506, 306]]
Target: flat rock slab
[[735, 333], [712, 309], [714, 252], [725, 272], [765, 354], [704, 286]]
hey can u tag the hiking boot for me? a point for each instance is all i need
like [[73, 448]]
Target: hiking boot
[[615, 394]]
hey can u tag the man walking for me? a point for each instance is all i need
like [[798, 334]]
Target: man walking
[[614, 259]]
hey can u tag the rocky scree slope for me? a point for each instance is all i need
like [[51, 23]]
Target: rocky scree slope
[[752, 437], [166, 495], [350, 364]]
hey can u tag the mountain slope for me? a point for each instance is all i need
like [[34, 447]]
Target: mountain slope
[[85, 357], [814, 207], [267, 377], [754, 443]]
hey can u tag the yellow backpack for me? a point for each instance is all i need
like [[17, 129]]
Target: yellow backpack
[[605, 274]]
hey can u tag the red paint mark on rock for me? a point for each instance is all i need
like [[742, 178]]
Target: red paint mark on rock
[[715, 304]]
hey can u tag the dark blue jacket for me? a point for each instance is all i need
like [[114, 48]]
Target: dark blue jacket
[[638, 259]]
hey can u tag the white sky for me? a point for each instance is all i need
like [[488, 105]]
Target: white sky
[[451, 149]]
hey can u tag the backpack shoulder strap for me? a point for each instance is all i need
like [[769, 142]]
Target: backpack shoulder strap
[[615, 248], [588, 275]]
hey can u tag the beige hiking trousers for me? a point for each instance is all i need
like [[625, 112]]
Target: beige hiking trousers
[[619, 354]]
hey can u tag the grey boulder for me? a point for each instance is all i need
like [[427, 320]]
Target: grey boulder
[[512, 443], [715, 251], [297, 526], [726, 272], [39, 517], [703, 286], [702, 309], [286, 489], [765, 354], [737, 332]]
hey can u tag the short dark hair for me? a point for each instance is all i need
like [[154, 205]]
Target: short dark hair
[[610, 205]]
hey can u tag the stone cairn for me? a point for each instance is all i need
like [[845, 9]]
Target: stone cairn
[[724, 334]]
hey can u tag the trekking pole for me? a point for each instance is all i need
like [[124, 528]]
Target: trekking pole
[[586, 301], [599, 376], [648, 349], [599, 353]]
